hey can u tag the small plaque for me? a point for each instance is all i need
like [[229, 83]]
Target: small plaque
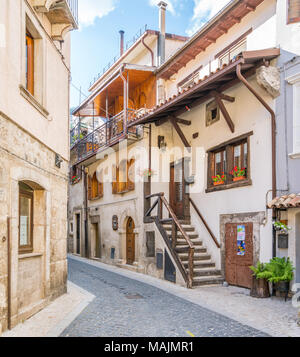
[[283, 241], [115, 223]]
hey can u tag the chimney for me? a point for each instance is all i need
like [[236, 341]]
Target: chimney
[[121, 42], [162, 32]]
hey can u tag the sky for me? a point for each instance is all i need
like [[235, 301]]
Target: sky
[[96, 42]]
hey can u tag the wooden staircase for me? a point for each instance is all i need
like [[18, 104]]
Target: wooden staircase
[[204, 268], [185, 246]]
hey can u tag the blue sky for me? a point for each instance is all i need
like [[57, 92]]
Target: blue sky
[[96, 43]]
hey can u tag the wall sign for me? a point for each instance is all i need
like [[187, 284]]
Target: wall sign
[[115, 223], [241, 240]]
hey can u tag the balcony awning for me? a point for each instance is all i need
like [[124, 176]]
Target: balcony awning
[[95, 104], [285, 202], [201, 91]]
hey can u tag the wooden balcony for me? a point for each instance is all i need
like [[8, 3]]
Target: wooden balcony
[[62, 14]]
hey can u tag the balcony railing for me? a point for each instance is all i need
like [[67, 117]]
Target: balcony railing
[[73, 6], [104, 136]]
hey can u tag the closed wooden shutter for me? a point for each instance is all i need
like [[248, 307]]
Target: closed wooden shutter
[[210, 169], [293, 11], [130, 176], [114, 180], [89, 188], [100, 185]]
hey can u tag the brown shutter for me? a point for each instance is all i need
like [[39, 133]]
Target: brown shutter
[[130, 169], [210, 169], [230, 163], [114, 180], [89, 188], [293, 11], [100, 185]]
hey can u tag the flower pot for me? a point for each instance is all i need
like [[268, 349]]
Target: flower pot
[[236, 179], [219, 183], [260, 288], [283, 287]]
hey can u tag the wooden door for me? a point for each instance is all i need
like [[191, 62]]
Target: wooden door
[[78, 233], [130, 241], [97, 241], [239, 254], [177, 189]]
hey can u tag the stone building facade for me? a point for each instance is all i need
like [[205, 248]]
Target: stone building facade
[[34, 127]]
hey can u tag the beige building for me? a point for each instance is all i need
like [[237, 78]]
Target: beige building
[[34, 153], [208, 143]]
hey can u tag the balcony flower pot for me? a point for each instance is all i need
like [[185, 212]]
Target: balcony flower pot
[[219, 179], [237, 179], [219, 183]]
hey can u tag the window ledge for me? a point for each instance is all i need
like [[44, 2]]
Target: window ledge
[[30, 98], [30, 255], [96, 198], [123, 192], [229, 186]]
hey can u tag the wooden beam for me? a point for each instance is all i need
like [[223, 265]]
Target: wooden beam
[[183, 121], [228, 98], [179, 132], [224, 111]]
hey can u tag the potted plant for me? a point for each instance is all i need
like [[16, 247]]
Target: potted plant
[[281, 227], [280, 272], [219, 179], [238, 174], [260, 285], [75, 179]]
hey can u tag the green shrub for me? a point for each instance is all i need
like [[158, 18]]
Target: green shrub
[[278, 269]]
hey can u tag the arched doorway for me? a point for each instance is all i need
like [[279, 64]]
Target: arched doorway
[[130, 241]]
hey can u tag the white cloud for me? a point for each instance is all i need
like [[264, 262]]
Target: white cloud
[[89, 10], [171, 4], [204, 10]]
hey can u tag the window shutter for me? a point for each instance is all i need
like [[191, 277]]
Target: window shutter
[[210, 168], [100, 185], [114, 180], [293, 11], [89, 188], [130, 174]]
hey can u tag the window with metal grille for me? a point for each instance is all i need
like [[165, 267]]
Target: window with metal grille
[[293, 11]]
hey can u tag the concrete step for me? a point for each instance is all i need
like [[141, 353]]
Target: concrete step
[[211, 280], [185, 228], [195, 241], [180, 236], [206, 272]]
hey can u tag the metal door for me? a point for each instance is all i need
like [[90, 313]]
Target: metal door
[[239, 254], [170, 271]]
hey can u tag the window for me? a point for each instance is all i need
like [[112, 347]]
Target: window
[[212, 113], [29, 63], [229, 165], [190, 79], [293, 11], [75, 174], [25, 219], [123, 180], [95, 188]]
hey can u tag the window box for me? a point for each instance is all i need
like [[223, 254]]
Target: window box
[[219, 183], [237, 179]]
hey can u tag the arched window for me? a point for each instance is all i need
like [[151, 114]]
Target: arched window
[[293, 11], [25, 218]]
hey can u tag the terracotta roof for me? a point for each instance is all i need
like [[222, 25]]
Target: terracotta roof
[[288, 201], [232, 14], [199, 92]]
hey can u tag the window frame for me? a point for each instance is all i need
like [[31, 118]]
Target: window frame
[[95, 192], [228, 147], [30, 195], [29, 58], [119, 187]]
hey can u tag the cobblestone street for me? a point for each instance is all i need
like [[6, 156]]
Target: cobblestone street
[[124, 308]]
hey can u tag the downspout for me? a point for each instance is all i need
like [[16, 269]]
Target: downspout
[[149, 49], [8, 275], [125, 105], [273, 129], [86, 213]]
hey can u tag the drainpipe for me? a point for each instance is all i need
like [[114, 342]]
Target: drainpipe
[[149, 49], [8, 275], [125, 116], [273, 120], [86, 232]]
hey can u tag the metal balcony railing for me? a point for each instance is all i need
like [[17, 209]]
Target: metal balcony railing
[[104, 136], [73, 6]]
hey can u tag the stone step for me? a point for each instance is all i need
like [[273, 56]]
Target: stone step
[[197, 257], [185, 228], [201, 264], [196, 242], [211, 280], [180, 236], [205, 272], [185, 249]]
